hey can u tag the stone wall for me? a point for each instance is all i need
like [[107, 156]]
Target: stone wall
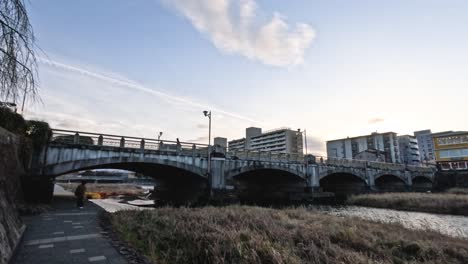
[[11, 168]]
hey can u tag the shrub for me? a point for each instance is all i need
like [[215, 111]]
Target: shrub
[[12, 121], [39, 132]]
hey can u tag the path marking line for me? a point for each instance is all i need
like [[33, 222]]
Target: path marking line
[[97, 258], [46, 246], [78, 250], [71, 214], [61, 239]]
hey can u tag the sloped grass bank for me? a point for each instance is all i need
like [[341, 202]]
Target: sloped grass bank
[[242, 234], [439, 203]]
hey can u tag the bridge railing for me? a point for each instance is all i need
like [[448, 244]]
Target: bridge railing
[[69, 137], [373, 164]]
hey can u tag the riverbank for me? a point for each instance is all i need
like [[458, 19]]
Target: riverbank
[[109, 189], [439, 203], [243, 234]]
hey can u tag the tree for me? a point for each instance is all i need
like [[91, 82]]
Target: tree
[[17, 59]]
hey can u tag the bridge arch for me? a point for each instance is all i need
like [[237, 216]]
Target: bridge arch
[[118, 162], [258, 167], [343, 183], [359, 173], [176, 183], [267, 184], [387, 174], [422, 183], [388, 182]]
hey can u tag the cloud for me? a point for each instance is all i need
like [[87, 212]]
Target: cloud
[[138, 87], [376, 120], [202, 126], [234, 28], [203, 139]]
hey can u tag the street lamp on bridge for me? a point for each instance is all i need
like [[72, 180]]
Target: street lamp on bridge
[[159, 135], [208, 114]]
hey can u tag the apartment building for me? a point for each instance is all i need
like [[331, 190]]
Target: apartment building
[[283, 140], [409, 150], [385, 144], [425, 145]]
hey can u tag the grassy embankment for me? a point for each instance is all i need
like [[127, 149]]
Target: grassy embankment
[[452, 202], [242, 234]]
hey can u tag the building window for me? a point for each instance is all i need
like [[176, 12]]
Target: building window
[[462, 165], [334, 152], [445, 166], [453, 140], [454, 153]]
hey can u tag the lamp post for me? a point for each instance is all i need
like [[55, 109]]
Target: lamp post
[[159, 135], [305, 140], [208, 114]]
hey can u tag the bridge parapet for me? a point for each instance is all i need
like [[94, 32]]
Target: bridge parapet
[[386, 166], [346, 163], [421, 169], [68, 137]]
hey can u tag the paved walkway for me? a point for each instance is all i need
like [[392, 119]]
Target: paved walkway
[[66, 235]]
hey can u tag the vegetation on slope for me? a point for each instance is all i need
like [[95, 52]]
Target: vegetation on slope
[[441, 203], [241, 234]]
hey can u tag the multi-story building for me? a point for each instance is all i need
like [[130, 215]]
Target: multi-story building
[[282, 140], [451, 150], [350, 148], [409, 151], [425, 144]]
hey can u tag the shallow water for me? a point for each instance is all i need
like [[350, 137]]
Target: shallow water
[[456, 226]]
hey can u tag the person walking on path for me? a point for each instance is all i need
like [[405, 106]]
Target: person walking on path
[[80, 194]]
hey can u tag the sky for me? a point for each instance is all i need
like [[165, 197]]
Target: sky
[[336, 68]]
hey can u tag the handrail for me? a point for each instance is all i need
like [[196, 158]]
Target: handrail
[[126, 137]]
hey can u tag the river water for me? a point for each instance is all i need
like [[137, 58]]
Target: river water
[[456, 226]]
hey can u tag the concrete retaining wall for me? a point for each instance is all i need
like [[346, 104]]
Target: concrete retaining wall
[[11, 226]]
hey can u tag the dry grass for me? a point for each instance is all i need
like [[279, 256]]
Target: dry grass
[[108, 188], [441, 203], [242, 234], [458, 190]]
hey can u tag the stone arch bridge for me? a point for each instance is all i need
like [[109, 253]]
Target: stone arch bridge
[[185, 168]]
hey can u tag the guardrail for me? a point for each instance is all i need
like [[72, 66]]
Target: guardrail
[[60, 136]]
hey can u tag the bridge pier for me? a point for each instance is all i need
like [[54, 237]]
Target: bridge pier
[[312, 172], [370, 178], [217, 177]]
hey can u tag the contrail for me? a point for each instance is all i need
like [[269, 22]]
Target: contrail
[[139, 87]]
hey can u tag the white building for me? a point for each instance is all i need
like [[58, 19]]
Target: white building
[[409, 150], [282, 140], [349, 148]]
